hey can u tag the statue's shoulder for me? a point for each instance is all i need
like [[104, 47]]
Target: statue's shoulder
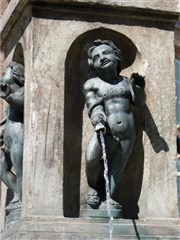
[[90, 83]]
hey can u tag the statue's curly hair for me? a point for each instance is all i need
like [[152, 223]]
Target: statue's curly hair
[[18, 73], [117, 51]]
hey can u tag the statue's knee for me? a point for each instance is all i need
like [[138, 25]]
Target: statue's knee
[[92, 157], [93, 154], [89, 161], [19, 175]]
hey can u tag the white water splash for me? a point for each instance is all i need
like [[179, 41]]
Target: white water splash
[[104, 156]]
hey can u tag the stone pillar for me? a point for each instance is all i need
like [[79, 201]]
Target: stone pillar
[[43, 159]]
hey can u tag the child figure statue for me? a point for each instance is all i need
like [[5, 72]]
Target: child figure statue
[[109, 99], [11, 156]]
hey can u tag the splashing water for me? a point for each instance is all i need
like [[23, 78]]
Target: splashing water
[[107, 184]]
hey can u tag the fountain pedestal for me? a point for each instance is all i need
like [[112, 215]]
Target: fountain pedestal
[[56, 228]]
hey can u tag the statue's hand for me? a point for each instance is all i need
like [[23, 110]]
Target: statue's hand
[[100, 127], [98, 121], [5, 90], [137, 79]]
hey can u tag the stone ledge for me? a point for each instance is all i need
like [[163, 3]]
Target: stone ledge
[[124, 12], [88, 229]]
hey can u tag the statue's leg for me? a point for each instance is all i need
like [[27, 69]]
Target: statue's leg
[[93, 170], [119, 161], [7, 176], [93, 161], [16, 154]]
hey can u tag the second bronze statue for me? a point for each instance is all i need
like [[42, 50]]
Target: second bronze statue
[[12, 129]]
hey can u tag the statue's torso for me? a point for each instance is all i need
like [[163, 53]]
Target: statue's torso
[[117, 106], [115, 93]]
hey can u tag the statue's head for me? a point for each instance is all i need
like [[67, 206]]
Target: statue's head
[[14, 73], [104, 54]]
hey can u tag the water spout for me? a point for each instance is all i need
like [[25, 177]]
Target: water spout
[[106, 177]]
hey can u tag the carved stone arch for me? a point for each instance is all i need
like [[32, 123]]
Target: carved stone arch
[[76, 73]]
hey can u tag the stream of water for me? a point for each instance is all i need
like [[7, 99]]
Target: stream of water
[[104, 156]]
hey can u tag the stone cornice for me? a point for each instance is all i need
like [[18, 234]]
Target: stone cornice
[[117, 12], [161, 5], [95, 8]]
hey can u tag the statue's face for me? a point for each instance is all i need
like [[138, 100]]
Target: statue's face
[[7, 76], [104, 58]]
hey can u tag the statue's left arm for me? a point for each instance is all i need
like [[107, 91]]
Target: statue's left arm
[[137, 85]]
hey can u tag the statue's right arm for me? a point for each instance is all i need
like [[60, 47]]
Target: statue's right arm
[[94, 104]]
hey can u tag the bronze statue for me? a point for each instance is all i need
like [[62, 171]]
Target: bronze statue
[[11, 129], [109, 99]]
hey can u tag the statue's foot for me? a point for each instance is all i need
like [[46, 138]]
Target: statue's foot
[[113, 204], [13, 205], [93, 199]]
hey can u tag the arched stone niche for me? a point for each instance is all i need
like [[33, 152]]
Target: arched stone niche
[[77, 126]]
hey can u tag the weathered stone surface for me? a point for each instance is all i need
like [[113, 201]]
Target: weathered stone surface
[[88, 229]]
